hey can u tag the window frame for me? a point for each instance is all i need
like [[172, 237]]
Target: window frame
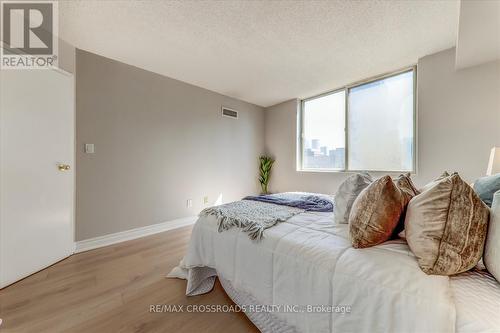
[[346, 89]]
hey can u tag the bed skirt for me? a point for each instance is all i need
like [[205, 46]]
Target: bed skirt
[[201, 280], [266, 322]]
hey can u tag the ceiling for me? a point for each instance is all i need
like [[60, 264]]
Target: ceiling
[[478, 43], [263, 52]]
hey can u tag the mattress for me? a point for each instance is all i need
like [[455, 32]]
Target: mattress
[[306, 265]]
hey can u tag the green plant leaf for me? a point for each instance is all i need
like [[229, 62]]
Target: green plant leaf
[[265, 166]]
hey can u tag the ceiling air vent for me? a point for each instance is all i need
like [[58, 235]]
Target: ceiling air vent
[[226, 112]]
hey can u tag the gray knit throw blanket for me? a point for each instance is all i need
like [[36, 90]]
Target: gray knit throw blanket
[[252, 216]]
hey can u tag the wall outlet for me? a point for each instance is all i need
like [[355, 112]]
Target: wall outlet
[[205, 200], [189, 203]]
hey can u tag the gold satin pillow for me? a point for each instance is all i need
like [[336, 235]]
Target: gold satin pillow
[[378, 209], [400, 232], [445, 227]]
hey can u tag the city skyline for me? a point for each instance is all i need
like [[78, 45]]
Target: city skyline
[[319, 156]]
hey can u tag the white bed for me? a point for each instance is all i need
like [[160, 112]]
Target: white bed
[[309, 261]]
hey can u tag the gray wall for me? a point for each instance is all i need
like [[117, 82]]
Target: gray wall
[[458, 123], [158, 142]]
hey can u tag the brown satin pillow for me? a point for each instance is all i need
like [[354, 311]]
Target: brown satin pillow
[[378, 209], [445, 227]]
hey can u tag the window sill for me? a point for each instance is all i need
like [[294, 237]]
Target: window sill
[[322, 171], [398, 172]]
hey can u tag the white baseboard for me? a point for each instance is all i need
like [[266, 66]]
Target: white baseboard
[[94, 243]]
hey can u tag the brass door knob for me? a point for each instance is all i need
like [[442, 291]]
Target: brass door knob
[[63, 167]]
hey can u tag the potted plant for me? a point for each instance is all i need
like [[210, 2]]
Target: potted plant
[[266, 164]]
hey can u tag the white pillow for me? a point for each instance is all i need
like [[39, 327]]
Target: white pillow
[[348, 192], [491, 254]]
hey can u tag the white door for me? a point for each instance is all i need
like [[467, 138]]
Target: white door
[[36, 192]]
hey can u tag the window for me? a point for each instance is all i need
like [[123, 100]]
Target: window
[[367, 127], [323, 132]]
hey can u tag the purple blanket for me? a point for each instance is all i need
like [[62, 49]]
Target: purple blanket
[[308, 202]]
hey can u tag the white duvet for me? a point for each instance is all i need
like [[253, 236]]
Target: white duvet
[[308, 261]]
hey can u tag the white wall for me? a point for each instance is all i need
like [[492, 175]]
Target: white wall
[[478, 39], [459, 116], [458, 123]]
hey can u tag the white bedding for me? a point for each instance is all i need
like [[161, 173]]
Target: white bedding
[[309, 261], [477, 300]]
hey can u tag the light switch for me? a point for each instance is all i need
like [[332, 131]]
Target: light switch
[[89, 148]]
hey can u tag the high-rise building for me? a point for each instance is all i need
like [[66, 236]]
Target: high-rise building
[[339, 158]]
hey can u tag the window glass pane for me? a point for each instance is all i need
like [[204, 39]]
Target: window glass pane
[[380, 124], [324, 137]]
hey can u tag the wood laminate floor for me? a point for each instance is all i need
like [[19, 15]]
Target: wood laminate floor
[[111, 290]]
